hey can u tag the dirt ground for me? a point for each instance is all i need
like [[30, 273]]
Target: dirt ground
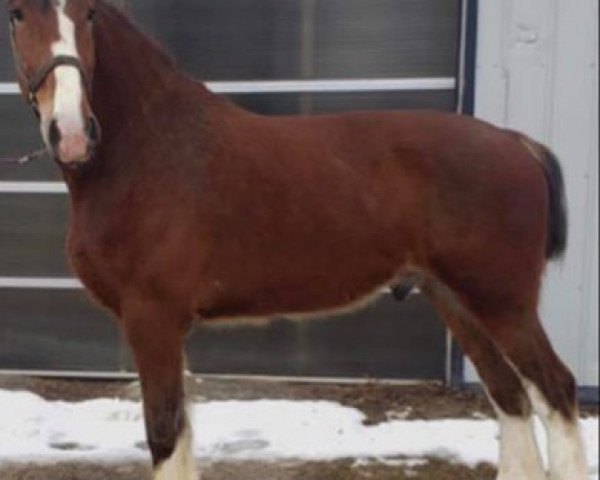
[[379, 402], [256, 471]]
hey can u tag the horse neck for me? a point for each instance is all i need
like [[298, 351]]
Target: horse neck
[[132, 73], [131, 70]]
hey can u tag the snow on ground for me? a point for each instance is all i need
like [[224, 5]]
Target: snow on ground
[[32, 428]]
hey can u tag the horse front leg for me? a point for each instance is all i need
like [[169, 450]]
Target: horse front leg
[[157, 337]]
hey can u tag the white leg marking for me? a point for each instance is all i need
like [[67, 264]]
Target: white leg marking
[[566, 455], [69, 91], [180, 466], [519, 454]]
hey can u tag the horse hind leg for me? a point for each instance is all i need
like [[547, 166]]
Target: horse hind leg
[[519, 454], [551, 388], [158, 351]]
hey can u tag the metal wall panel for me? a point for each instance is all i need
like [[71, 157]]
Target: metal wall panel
[[62, 330], [269, 39], [32, 235], [289, 104], [538, 73], [382, 39], [54, 327], [385, 340], [56, 330], [19, 133], [228, 39]]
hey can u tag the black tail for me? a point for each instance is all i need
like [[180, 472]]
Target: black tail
[[558, 223]]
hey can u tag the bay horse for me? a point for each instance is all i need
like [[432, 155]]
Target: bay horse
[[184, 207]]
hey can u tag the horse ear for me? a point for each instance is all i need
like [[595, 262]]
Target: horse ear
[[10, 3]]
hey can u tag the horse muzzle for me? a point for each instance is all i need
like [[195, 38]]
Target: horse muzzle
[[71, 144]]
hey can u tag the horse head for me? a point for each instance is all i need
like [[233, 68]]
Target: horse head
[[53, 47]]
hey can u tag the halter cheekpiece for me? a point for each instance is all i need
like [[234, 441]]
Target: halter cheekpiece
[[37, 80]]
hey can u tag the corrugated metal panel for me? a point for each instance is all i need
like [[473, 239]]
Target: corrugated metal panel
[[538, 72], [272, 57]]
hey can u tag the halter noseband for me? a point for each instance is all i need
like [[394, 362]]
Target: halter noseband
[[37, 80]]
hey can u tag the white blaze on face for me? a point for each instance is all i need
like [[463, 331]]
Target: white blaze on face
[[68, 96]]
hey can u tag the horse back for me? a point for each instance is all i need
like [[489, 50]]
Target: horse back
[[312, 212]]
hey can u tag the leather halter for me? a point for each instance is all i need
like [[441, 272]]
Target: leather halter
[[37, 80], [33, 86]]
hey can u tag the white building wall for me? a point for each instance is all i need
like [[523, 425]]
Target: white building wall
[[537, 72]]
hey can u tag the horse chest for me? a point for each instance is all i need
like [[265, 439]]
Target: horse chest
[[94, 269]]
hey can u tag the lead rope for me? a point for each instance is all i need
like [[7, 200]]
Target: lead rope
[[24, 159]]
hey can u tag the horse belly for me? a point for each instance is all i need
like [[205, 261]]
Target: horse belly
[[322, 281], [318, 227]]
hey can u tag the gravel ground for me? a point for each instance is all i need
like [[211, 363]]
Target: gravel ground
[[343, 470]]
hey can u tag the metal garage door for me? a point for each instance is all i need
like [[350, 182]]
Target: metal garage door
[[272, 56]]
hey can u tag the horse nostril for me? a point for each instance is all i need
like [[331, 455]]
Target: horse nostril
[[93, 130], [54, 134]]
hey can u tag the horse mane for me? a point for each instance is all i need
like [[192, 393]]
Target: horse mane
[[116, 11]]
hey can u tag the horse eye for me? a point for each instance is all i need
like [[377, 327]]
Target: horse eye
[[91, 14], [16, 15]]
